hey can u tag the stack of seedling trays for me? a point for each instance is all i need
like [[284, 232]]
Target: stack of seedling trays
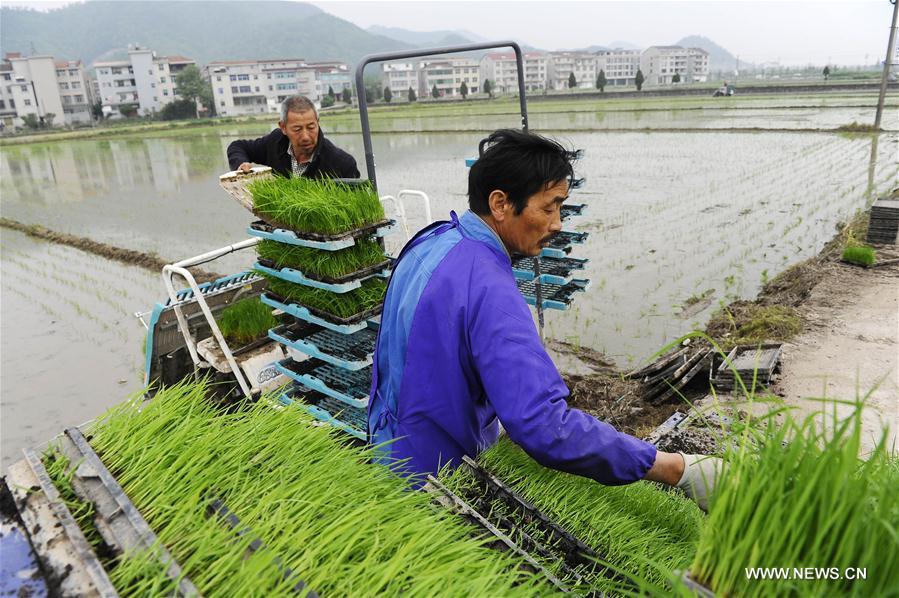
[[753, 364], [551, 276], [326, 270], [884, 222]]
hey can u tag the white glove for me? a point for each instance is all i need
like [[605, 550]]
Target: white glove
[[700, 476]]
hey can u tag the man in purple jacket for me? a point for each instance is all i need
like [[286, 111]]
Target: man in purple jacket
[[458, 352]]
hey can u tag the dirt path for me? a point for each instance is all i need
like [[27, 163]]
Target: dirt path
[[849, 347]]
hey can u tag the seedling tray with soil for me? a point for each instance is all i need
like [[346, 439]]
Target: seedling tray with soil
[[346, 283], [322, 318], [570, 210], [348, 351], [553, 270], [350, 387], [560, 245], [326, 266], [553, 296], [335, 242], [352, 420]]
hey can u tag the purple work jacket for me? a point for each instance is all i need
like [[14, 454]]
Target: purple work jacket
[[458, 352]]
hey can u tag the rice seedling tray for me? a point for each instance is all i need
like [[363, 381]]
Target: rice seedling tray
[[570, 210], [560, 245], [120, 523], [349, 419], [573, 550], [751, 362], [343, 285], [235, 183], [325, 320], [350, 387], [668, 387], [553, 270], [55, 535], [216, 508], [553, 296], [348, 351], [448, 499], [264, 230]]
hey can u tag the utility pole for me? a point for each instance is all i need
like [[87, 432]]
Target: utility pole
[[886, 67]]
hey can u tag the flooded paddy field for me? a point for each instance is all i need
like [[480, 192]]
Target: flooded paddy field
[[679, 221]]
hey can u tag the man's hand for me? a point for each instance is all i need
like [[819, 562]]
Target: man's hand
[[245, 167], [700, 476]]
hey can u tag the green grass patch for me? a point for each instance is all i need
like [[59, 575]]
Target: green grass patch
[[859, 254], [315, 206], [855, 127], [796, 494], [343, 305], [320, 507], [640, 529], [751, 323], [246, 320], [320, 263]]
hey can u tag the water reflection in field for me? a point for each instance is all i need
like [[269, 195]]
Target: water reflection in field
[[671, 215]]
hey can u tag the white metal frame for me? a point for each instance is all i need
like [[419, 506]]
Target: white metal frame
[[399, 207], [180, 268]]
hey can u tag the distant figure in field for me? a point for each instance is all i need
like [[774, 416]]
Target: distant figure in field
[[296, 148]]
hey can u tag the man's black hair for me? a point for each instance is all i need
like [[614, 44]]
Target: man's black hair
[[521, 164]]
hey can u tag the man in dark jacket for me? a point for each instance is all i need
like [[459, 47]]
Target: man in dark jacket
[[296, 148]]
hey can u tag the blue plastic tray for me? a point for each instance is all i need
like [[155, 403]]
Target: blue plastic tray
[[348, 351], [553, 270], [346, 386], [272, 233], [295, 276], [303, 313], [348, 419], [554, 296]]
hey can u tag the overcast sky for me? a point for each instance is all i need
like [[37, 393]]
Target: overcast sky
[[825, 31]]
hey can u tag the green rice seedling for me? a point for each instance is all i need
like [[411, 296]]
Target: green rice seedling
[[59, 469], [142, 574], [320, 263], [321, 510], [246, 321], [640, 529], [797, 495], [315, 206], [859, 254], [342, 305]]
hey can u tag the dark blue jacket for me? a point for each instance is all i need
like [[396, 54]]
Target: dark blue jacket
[[458, 352], [329, 160]]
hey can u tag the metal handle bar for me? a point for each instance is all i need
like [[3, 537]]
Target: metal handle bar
[[388, 56]]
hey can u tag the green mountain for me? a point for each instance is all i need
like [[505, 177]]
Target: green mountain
[[202, 30]]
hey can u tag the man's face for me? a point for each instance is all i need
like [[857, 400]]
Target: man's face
[[301, 129], [529, 232]]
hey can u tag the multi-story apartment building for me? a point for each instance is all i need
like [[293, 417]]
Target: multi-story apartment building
[[619, 66], [330, 75], [400, 77], [563, 64], [34, 88], [448, 75], [661, 63], [257, 86], [501, 70], [8, 113], [74, 91], [145, 80]]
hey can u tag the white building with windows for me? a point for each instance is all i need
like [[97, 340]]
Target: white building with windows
[[400, 77], [55, 92], [660, 64], [144, 80], [330, 75], [501, 69], [619, 66], [258, 86], [447, 75], [563, 64]]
